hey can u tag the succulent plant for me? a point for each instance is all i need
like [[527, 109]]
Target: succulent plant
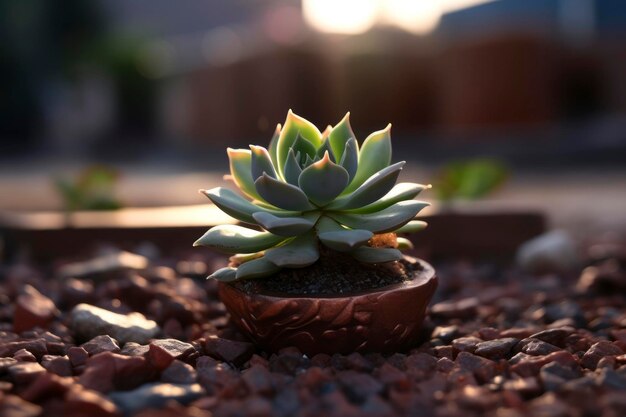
[[311, 188]]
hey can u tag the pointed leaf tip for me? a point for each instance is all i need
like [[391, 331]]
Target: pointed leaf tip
[[375, 154], [261, 162], [340, 134], [240, 161], [294, 126], [236, 239]]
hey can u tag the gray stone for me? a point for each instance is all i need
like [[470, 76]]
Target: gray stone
[[89, 321], [554, 251], [535, 347], [497, 348], [555, 336], [155, 395], [104, 264]]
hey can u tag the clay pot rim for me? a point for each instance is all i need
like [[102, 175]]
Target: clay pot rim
[[424, 276]]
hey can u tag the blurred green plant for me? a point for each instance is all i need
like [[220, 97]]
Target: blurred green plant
[[470, 180], [92, 189]]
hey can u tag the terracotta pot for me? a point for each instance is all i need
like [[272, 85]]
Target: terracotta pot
[[387, 319]]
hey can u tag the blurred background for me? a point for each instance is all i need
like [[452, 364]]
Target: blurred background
[[105, 104]]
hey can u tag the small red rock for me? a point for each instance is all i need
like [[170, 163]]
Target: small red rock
[[84, 402], [59, 365], [179, 373], [46, 385], [214, 376], [535, 347], [14, 406], [466, 344], [99, 344], [6, 363], [228, 350], [23, 355], [134, 349], [607, 362], [518, 332], [444, 352], [465, 308], [530, 365], [483, 369], [488, 333], [32, 309], [598, 351], [25, 372], [35, 346], [527, 387], [77, 355], [555, 336], [107, 371], [162, 352], [445, 365], [496, 348]]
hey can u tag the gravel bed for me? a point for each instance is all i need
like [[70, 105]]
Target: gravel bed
[[117, 338]]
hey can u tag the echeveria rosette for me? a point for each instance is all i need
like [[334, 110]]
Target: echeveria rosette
[[309, 188]]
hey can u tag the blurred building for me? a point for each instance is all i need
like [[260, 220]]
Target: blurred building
[[217, 72], [498, 65]]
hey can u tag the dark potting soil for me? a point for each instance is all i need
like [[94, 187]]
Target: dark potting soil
[[333, 273]]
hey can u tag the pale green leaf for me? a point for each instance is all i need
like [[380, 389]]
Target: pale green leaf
[[261, 162], [281, 194], [383, 221], [293, 126], [323, 181], [241, 171], [340, 135], [371, 190], [404, 243], [299, 252], [375, 154], [238, 207], [257, 268], [376, 255], [273, 148], [284, 226], [412, 227], [400, 192], [231, 238], [227, 274]]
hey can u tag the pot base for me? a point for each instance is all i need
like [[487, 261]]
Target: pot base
[[386, 319]]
